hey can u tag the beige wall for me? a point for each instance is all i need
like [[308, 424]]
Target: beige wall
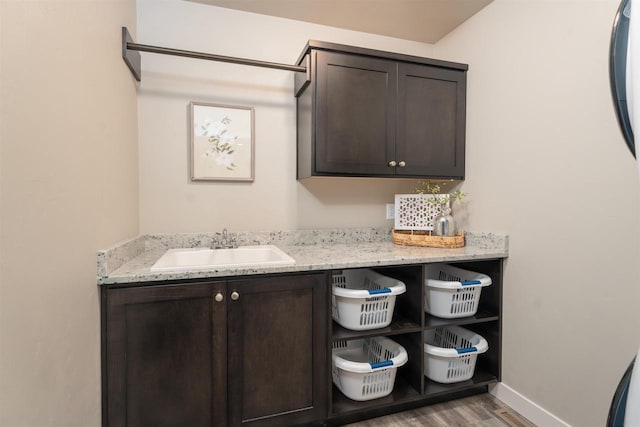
[[547, 165], [69, 186], [169, 201]]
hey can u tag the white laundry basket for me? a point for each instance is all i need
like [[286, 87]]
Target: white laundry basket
[[363, 299], [365, 369], [450, 353], [452, 292]]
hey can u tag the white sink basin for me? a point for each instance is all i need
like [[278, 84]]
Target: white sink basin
[[204, 258]]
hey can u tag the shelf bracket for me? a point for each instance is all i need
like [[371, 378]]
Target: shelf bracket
[[131, 55]]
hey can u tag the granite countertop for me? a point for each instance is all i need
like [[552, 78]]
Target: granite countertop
[[313, 250]]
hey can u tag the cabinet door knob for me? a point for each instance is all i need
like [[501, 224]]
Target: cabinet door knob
[[235, 295], [402, 164], [219, 297], [392, 163]]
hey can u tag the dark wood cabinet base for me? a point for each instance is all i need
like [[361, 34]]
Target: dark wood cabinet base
[[256, 351], [221, 353]]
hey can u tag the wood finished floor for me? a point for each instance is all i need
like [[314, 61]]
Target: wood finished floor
[[474, 411]]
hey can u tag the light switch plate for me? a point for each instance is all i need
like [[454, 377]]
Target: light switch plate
[[391, 211]]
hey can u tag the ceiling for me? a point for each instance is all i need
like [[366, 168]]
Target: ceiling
[[425, 21]]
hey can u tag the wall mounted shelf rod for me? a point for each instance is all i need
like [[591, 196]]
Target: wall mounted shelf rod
[[132, 57]]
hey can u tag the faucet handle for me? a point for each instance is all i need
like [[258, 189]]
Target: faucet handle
[[226, 240]]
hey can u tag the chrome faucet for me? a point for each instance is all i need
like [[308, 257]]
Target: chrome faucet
[[226, 242]]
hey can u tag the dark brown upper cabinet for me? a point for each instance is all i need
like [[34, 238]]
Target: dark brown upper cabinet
[[379, 114]]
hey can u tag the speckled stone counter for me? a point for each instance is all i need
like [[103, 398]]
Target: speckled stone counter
[[313, 250]]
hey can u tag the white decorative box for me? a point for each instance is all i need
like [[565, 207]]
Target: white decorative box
[[415, 212]]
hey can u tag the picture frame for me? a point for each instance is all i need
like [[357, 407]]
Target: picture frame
[[222, 142]]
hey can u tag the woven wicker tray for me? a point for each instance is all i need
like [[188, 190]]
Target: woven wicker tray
[[423, 238]]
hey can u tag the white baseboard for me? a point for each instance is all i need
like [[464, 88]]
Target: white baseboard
[[525, 407]]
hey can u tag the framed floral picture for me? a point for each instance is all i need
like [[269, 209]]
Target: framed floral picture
[[222, 142]]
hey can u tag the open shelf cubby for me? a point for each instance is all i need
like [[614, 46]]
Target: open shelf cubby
[[409, 324]]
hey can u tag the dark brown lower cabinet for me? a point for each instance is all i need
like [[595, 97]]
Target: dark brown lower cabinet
[[220, 353], [256, 351]]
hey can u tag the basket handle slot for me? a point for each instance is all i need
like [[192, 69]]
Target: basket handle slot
[[470, 282], [379, 291], [466, 350], [381, 364]]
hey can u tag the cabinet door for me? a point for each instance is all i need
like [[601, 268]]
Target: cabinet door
[[277, 350], [431, 121], [355, 114], [166, 356]]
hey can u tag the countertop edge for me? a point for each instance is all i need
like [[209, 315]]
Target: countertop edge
[[213, 274], [134, 257]]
